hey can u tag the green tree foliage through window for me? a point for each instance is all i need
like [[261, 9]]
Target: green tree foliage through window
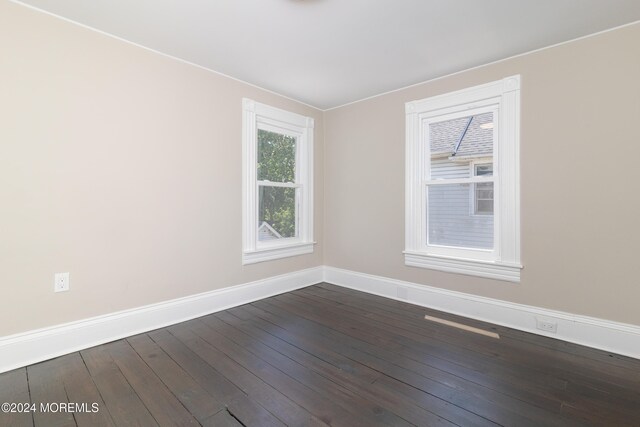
[[276, 157], [277, 163]]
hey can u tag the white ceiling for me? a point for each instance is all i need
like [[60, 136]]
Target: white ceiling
[[330, 52]]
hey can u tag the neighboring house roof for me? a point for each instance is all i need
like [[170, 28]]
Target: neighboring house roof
[[476, 141], [267, 232]]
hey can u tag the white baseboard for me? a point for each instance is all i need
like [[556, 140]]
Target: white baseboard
[[36, 346], [606, 335]]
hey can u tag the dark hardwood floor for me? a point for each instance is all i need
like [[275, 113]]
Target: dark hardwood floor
[[326, 355]]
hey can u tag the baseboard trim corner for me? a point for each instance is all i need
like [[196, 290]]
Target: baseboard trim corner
[[610, 336], [31, 347]]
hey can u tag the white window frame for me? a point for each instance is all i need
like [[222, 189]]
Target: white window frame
[[502, 97], [257, 116]]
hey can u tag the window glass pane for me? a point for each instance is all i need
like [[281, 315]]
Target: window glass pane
[[482, 194], [484, 170], [451, 221], [457, 142], [484, 198], [276, 213], [276, 157], [485, 207]]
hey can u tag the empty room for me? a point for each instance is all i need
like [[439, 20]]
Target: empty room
[[319, 213]]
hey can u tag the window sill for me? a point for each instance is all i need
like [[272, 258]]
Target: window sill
[[277, 252], [488, 269]]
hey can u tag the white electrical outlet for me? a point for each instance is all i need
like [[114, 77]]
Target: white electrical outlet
[[61, 282], [546, 325]]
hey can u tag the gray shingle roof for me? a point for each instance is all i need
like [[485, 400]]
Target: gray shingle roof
[[477, 142]]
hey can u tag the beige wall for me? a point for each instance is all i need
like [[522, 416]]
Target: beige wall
[[580, 190], [122, 167]]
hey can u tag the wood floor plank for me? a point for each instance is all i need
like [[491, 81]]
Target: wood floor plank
[[367, 389], [81, 391], [265, 394], [163, 405], [602, 356], [244, 410], [193, 396], [223, 390], [408, 330], [333, 392], [14, 388], [397, 333], [588, 399], [524, 355], [301, 393], [415, 331], [409, 383], [208, 376], [473, 369], [309, 342], [222, 419], [124, 405], [500, 408], [522, 360], [46, 390], [348, 325], [518, 351]]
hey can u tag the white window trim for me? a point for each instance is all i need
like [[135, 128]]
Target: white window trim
[[503, 262], [260, 116]]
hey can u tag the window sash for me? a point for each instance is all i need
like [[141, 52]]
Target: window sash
[[284, 241], [447, 250], [271, 126], [456, 251]]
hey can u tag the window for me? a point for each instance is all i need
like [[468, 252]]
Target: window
[[482, 195], [462, 178], [277, 183]]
